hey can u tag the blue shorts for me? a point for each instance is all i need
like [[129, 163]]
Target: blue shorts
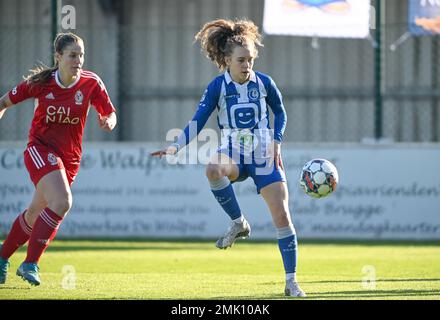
[[257, 169]]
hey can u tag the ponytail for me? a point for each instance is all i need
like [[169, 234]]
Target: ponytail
[[42, 73]]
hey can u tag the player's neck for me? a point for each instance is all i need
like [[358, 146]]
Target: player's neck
[[238, 80], [66, 80]]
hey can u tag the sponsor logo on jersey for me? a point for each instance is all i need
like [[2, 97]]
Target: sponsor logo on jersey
[[14, 91], [232, 96], [52, 159], [79, 97], [60, 115], [243, 116]]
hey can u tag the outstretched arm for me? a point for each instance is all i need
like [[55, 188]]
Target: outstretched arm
[[172, 150], [190, 132], [5, 102], [207, 105]]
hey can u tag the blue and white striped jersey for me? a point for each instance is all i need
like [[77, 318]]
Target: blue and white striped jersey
[[240, 108]]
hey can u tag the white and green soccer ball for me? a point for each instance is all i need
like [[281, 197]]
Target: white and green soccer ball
[[319, 178]]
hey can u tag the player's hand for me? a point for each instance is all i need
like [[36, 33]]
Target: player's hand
[[171, 150], [107, 123], [432, 25], [5, 103], [275, 155]]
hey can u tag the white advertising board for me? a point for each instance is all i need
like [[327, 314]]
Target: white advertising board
[[384, 193], [318, 18]]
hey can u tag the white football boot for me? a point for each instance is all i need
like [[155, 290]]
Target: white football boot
[[293, 290], [235, 231]]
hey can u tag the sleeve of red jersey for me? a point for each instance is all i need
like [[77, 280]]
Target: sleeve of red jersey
[[21, 92], [100, 100]]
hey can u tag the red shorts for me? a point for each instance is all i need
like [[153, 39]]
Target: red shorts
[[40, 160]]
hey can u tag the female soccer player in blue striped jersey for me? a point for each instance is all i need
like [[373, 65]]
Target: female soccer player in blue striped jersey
[[249, 148]]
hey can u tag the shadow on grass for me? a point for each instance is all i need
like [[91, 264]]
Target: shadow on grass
[[256, 297], [6, 287], [372, 243], [59, 247], [373, 294], [65, 245], [341, 295], [378, 280], [366, 243], [122, 248]]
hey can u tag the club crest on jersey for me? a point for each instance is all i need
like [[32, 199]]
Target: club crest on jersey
[[52, 159], [253, 94], [79, 97]]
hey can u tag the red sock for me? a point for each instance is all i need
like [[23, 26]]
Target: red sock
[[45, 229], [19, 234]]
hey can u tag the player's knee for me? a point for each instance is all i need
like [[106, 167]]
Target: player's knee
[[281, 216], [214, 172], [62, 204]]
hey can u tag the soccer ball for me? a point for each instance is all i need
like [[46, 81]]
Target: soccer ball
[[319, 178]]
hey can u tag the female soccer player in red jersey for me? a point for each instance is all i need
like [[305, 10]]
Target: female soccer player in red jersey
[[243, 98], [63, 96]]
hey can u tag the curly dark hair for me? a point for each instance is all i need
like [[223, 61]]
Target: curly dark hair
[[218, 38]]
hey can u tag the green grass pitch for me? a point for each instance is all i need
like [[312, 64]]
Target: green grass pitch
[[249, 270]]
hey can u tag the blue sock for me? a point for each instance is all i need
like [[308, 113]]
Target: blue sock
[[224, 193], [288, 247]]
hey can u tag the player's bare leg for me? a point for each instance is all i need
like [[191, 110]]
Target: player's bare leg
[[37, 205], [56, 190]]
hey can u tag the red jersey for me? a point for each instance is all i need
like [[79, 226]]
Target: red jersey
[[60, 112]]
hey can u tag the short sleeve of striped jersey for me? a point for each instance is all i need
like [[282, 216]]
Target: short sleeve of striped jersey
[[100, 99], [22, 92]]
